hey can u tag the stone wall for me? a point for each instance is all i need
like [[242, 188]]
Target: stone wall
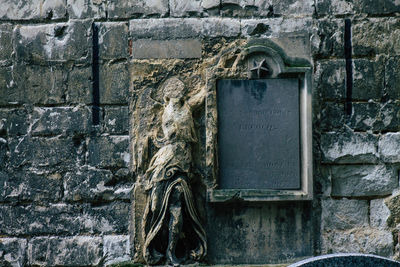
[[65, 68]]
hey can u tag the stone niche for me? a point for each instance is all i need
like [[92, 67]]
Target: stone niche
[[232, 125]]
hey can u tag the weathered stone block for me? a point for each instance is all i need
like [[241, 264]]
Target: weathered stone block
[[274, 26], [208, 4], [216, 27], [330, 79], [6, 47], [94, 185], [54, 42], [65, 251], [137, 8], [376, 36], [82, 9], [109, 151], [389, 147], [26, 186], [12, 251], [79, 85], [43, 152], [57, 219], [328, 40], [3, 152], [116, 248], [53, 121], [363, 180], [332, 116], [40, 84], [375, 116], [114, 84], [8, 92], [341, 7], [13, 121], [30, 10], [288, 7], [344, 213], [364, 240], [113, 40], [180, 8], [392, 78], [161, 29], [182, 48], [379, 213], [110, 218], [349, 147], [116, 120], [367, 74]]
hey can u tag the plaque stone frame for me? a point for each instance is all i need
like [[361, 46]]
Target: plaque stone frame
[[279, 65]]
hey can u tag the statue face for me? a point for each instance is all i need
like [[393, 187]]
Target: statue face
[[173, 89]]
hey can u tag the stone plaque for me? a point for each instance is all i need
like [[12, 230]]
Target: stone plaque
[[258, 134]]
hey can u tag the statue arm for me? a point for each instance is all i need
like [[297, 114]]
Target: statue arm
[[197, 99]]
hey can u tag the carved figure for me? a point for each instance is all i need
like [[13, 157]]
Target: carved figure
[[172, 230]]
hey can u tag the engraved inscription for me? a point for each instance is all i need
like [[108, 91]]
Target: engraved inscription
[[258, 134]]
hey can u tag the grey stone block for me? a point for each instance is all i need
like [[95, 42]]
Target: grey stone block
[[109, 151], [392, 78], [367, 74], [8, 91], [54, 42], [332, 116], [32, 10], [179, 8], [137, 8], [65, 251], [54, 121], [208, 4], [349, 147], [340, 7], [328, 39], [344, 213], [375, 116], [82, 9], [161, 29], [376, 36], [13, 121], [226, 27], [79, 85], [42, 152], [363, 180], [389, 147], [116, 248], [13, 251], [27, 186], [116, 120], [182, 48], [288, 7], [95, 185], [379, 213], [274, 26], [110, 218], [330, 79], [113, 40], [3, 152], [363, 240], [6, 48], [114, 83], [40, 84]]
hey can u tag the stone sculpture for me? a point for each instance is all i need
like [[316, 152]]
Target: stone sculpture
[[172, 230]]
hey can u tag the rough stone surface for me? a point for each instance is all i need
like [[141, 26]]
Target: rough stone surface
[[273, 26], [6, 47], [184, 48], [116, 249], [109, 151], [349, 147], [328, 39], [13, 122], [13, 251], [67, 251], [113, 40], [344, 213], [392, 78], [367, 74], [179, 8], [136, 8], [389, 147], [32, 10], [363, 240], [116, 120], [330, 79], [363, 180], [79, 86], [54, 42], [379, 213], [114, 83], [82, 9], [332, 116]]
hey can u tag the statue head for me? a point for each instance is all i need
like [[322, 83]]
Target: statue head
[[173, 88]]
